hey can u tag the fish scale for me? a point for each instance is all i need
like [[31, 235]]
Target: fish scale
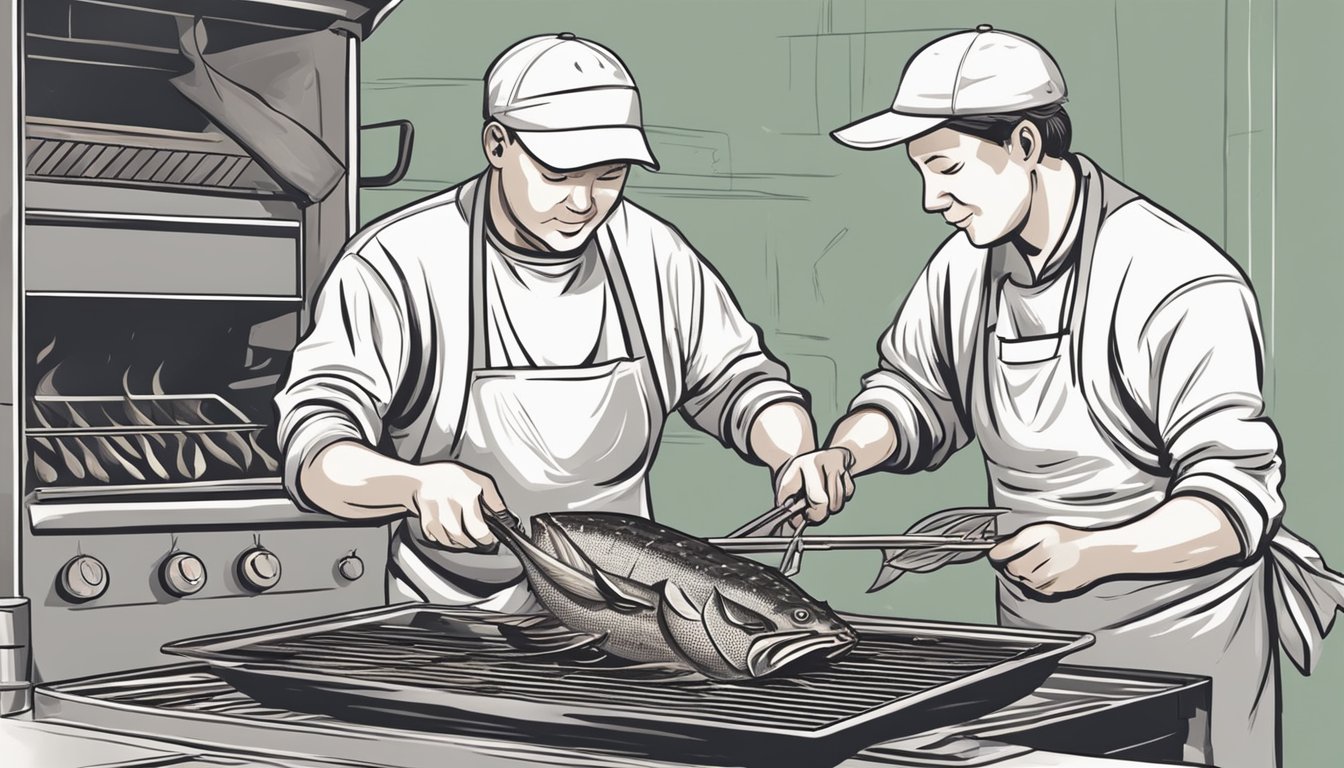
[[649, 593]]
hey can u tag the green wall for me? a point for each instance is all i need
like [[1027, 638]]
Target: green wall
[[820, 243]]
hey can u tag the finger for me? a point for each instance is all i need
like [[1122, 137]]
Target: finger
[[435, 533], [814, 485], [835, 490], [452, 525], [848, 486], [1014, 546], [1026, 566], [427, 510], [473, 525]]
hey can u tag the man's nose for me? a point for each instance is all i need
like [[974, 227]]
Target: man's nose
[[580, 198], [935, 200]]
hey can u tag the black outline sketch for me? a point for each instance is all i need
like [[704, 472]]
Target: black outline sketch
[[200, 315]]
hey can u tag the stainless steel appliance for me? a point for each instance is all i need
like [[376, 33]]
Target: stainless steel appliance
[[190, 171]]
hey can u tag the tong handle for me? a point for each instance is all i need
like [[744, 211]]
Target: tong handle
[[772, 518]]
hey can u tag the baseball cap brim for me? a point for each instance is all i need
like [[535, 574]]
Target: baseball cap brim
[[885, 129], [585, 147]]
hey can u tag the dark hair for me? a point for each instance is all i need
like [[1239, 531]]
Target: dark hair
[[1051, 120]]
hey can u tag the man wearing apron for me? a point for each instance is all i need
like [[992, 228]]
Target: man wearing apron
[[516, 342], [1108, 359]]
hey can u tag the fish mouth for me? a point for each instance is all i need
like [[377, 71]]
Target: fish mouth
[[772, 652]]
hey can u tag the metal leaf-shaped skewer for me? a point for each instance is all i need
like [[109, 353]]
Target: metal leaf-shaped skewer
[[973, 524]]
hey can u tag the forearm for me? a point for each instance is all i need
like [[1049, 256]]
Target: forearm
[[781, 431], [351, 480], [869, 435], [1185, 533]]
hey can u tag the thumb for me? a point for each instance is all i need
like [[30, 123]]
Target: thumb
[[490, 497], [788, 482], [1014, 546]]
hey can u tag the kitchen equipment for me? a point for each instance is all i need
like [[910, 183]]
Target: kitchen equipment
[[1125, 714], [15, 685], [447, 669], [944, 537], [191, 169]]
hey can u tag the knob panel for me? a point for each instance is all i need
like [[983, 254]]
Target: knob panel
[[259, 569], [83, 578], [350, 567], [182, 574]]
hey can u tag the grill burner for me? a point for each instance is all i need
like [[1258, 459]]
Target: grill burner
[[440, 669]]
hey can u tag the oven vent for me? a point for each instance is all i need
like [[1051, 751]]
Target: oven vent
[[56, 158]]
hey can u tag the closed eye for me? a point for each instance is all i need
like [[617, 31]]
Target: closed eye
[[614, 175], [553, 179], [951, 170]]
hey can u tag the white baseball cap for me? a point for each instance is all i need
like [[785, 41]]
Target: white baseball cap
[[980, 72], [571, 102]]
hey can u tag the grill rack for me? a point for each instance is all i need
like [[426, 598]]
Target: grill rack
[[174, 438], [443, 669]]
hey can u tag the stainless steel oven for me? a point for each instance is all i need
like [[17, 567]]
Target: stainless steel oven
[[190, 169]]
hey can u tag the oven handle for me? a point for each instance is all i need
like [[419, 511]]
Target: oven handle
[[404, 142]]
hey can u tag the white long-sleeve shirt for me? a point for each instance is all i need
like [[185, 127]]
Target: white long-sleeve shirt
[[1170, 360], [387, 358]]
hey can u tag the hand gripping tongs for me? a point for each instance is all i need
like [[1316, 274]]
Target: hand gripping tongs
[[957, 535]]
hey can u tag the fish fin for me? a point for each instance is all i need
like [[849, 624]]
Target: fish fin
[[541, 633], [675, 599], [687, 635], [737, 614], [623, 594], [564, 548], [565, 577], [620, 593]]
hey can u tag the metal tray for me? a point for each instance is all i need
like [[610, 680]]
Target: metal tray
[[442, 669]]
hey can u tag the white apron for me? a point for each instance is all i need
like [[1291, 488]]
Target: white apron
[[553, 439], [1049, 461]]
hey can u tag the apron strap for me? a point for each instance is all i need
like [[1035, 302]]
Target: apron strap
[[480, 348]]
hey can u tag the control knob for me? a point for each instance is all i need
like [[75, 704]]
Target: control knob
[[183, 574], [259, 569], [83, 578], [350, 567]]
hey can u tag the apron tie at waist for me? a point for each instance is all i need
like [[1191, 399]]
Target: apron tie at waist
[[1305, 594]]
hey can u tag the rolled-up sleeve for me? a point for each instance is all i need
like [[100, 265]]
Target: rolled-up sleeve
[[914, 383], [1202, 349], [344, 371], [730, 376]]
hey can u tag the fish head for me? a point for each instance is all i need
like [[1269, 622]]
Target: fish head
[[762, 633], [802, 629]]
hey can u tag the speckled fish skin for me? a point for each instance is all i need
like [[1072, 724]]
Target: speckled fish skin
[[650, 593]]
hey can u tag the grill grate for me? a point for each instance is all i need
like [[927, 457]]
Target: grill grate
[[421, 655], [434, 668]]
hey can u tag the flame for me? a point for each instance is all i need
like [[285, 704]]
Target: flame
[[42, 355], [179, 440], [45, 472]]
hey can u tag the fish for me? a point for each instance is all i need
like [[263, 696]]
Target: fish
[[650, 594]]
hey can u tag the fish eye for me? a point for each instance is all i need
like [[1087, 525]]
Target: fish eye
[[801, 614]]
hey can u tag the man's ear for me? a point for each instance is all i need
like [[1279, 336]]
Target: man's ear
[[1025, 143], [493, 139]]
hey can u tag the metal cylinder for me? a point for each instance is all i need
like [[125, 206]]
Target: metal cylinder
[[15, 676]]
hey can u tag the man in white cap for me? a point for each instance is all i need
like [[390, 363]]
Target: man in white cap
[[1108, 358], [517, 342]]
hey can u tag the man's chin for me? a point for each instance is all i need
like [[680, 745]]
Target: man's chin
[[562, 242]]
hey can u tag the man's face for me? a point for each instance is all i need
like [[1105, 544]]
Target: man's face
[[975, 185], [559, 208]]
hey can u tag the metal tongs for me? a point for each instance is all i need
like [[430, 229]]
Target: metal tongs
[[949, 536]]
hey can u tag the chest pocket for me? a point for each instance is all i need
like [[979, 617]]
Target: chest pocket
[[1036, 349]]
